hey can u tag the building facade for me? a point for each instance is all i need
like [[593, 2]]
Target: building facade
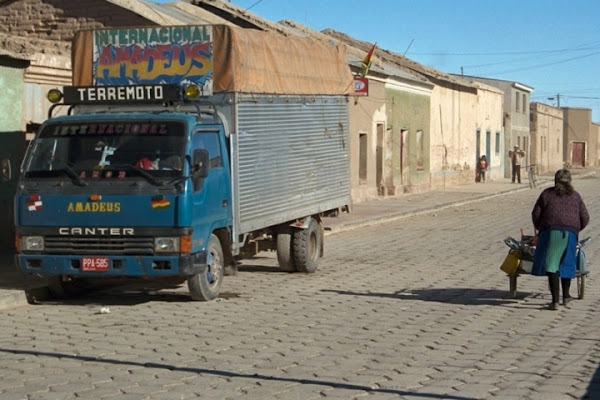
[[515, 118], [580, 141], [546, 148], [406, 141]]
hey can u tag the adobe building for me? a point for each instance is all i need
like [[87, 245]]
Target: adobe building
[[516, 117], [546, 129], [580, 137], [461, 113]]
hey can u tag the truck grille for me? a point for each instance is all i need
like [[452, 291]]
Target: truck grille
[[99, 245]]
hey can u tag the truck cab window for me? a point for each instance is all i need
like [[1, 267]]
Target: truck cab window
[[210, 142], [92, 149]]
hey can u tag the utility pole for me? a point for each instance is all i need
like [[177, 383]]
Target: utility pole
[[557, 100]]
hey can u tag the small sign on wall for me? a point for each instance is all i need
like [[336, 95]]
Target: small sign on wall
[[361, 86]]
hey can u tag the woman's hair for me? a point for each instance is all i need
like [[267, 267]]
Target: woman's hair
[[562, 182]]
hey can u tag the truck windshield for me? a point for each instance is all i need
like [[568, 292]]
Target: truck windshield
[[108, 150]]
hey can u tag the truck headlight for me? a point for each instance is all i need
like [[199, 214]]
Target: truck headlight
[[32, 243], [166, 244]]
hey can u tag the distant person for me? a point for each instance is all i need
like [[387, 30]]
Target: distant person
[[516, 156], [482, 166], [558, 216]]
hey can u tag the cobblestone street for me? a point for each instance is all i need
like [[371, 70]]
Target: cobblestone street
[[415, 308]]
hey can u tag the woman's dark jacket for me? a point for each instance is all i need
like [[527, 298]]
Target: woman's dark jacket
[[554, 212], [567, 212]]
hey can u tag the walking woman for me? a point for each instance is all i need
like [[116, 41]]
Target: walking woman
[[558, 216]]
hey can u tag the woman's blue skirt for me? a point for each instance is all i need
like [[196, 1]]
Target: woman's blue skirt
[[567, 261]]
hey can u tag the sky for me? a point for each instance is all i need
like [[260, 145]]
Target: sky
[[552, 46]]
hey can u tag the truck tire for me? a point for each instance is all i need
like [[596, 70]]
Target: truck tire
[[285, 249], [307, 247], [207, 286], [56, 288], [60, 289]]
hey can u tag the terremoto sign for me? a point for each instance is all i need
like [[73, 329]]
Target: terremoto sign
[[120, 94]]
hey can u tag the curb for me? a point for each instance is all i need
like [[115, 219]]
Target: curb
[[402, 215]]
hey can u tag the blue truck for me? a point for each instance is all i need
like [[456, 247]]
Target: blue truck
[[175, 175]]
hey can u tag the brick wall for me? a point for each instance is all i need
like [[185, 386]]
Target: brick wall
[[60, 19]]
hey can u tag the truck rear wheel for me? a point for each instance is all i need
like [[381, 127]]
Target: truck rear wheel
[[307, 247], [207, 286], [285, 249]]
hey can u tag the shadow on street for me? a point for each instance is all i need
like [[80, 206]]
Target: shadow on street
[[465, 296], [231, 374]]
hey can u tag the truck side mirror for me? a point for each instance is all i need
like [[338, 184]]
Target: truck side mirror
[[199, 168]]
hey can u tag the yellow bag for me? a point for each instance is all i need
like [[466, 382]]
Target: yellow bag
[[511, 262]]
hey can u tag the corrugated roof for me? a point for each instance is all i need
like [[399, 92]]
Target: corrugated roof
[[173, 13], [197, 14], [402, 62], [158, 13], [240, 16], [355, 55], [473, 78]]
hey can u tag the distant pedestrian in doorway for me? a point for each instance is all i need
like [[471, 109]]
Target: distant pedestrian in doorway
[[558, 216], [516, 156], [482, 166]]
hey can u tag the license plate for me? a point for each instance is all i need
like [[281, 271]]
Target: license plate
[[94, 264]]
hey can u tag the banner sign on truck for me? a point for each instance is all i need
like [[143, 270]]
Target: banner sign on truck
[[152, 56]]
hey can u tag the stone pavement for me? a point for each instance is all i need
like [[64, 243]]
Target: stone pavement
[[17, 289]]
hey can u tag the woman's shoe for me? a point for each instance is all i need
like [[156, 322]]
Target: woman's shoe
[[553, 306], [567, 300]]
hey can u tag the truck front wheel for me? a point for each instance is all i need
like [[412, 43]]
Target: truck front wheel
[[207, 286], [62, 289], [307, 247]]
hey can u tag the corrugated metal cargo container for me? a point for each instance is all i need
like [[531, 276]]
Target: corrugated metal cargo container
[[289, 155]]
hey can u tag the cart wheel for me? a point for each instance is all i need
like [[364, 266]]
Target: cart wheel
[[580, 286], [513, 285]]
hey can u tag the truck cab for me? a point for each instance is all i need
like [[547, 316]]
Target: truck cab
[[126, 193]]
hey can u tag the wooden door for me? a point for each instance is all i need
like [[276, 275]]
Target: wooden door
[[578, 154]]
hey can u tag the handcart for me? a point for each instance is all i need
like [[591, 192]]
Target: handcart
[[520, 261]]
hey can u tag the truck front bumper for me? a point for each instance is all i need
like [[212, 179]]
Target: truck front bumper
[[115, 265]]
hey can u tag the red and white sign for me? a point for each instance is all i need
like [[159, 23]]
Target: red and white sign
[[94, 264], [361, 86], [34, 203]]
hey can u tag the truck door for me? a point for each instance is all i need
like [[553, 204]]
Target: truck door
[[212, 200], [12, 150]]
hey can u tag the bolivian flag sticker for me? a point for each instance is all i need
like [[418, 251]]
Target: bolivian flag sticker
[[159, 202]]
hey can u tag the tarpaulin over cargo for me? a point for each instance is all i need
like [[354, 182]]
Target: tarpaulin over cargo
[[232, 59]]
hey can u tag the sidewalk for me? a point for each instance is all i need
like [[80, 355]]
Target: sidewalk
[[16, 289], [385, 210]]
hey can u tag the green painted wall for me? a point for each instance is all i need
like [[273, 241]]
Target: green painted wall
[[410, 112], [11, 87]]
